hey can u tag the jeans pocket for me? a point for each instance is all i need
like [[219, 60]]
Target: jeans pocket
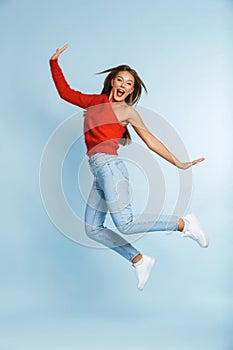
[[99, 161], [122, 168]]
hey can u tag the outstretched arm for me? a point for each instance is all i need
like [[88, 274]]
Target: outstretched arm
[[65, 92], [155, 144]]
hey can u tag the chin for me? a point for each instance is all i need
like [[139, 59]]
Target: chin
[[119, 99]]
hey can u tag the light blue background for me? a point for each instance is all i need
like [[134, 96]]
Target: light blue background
[[56, 294]]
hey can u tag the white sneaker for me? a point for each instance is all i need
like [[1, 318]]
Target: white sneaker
[[195, 231], [143, 270]]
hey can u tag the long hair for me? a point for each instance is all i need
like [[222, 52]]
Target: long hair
[[130, 99]]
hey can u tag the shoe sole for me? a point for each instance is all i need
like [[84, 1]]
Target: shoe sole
[[149, 269]]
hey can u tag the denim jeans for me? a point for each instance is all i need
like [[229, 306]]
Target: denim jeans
[[111, 192]]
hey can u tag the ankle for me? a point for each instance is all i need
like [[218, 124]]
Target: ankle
[[137, 258], [181, 225]]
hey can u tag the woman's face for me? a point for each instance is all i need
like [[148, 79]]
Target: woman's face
[[122, 86]]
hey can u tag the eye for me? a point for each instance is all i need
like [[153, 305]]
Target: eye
[[130, 84]]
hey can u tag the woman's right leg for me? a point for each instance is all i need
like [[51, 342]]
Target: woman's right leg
[[95, 215]]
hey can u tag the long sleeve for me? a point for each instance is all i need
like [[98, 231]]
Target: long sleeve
[[75, 97]]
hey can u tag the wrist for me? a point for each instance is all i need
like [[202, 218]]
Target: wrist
[[178, 163]]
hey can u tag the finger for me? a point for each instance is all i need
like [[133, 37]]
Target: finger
[[196, 161], [59, 51], [64, 47], [200, 160]]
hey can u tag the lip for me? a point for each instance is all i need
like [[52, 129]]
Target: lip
[[120, 92]]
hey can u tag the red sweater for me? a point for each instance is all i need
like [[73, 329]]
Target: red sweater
[[102, 129]]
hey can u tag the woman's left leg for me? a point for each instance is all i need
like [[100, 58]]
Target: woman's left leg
[[117, 195], [113, 180]]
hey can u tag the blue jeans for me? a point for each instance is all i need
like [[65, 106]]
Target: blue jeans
[[111, 192]]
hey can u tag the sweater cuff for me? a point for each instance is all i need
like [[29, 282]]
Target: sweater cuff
[[53, 62]]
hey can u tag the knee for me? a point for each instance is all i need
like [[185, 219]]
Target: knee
[[92, 231]]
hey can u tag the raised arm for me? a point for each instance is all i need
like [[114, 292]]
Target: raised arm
[[155, 144], [65, 92]]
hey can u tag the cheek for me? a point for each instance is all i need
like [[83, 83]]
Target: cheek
[[113, 82]]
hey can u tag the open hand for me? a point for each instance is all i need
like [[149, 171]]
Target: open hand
[[187, 165], [58, 52]]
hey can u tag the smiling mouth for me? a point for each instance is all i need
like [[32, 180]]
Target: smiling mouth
[[120, 92]]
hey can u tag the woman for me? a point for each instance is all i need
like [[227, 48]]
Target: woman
[[105, 127]]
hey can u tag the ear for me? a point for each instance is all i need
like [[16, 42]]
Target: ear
[[112, 82]]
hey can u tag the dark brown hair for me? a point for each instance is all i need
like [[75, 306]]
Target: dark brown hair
[[130, 99]]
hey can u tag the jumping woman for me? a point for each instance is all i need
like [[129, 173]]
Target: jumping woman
[[105, 128]]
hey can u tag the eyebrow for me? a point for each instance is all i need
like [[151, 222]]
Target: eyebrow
[[123, 78]]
